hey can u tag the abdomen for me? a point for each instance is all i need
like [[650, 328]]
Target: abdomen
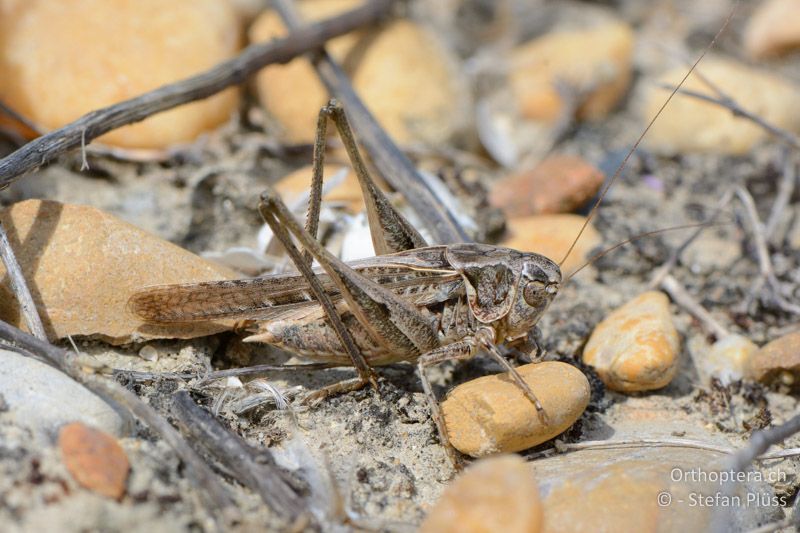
[[316, 340]]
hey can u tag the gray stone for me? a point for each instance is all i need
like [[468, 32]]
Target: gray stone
[[43, 399]]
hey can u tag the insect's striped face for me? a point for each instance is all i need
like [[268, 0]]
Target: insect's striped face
[[539, 283]]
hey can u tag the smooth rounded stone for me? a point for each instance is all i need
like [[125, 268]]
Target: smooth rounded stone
[[551, 236], [559, 184], [402, 72], [411, 82], [594, 62], [494, 494], [491, 414], [729, 358], [690, 125], [773, 29], [636, 347], [645, 490], [148, 353], [95, 459], [60, 60], [82, 265], [43, 399], [292, 93], [777, 361], [296, 185]]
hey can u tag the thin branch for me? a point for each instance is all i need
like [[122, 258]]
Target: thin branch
[[738, 111], [216, 498], [759, 443], [20, 287], [264, 478], [393, 164], [231, 72], [681, 297], [764, 261], [775, 526], [785, 190], [666, 443], [133, 155], [664, 270]]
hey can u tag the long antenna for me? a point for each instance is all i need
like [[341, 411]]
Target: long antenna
[[641, 137], [595, 257]]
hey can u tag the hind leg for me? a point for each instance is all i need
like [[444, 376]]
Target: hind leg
[[365, 373], [390, 231]]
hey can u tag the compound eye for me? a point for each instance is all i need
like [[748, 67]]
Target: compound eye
[[534, 292]]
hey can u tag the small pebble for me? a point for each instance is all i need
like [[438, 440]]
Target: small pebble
[[777, 361], [729, 357], [773, 29], [559, 184], [690, 125], [148, 353], [233, 382], [594, 62], [636, 347], [551, 236], [85, 264], [95, 459], [492, 415], [42, 399], [57, 61], [494, 494]]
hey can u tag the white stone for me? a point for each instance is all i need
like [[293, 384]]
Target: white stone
[[728, 358], [43, 399]]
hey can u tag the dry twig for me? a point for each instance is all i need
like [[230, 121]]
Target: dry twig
[[20, 287], [759, 443], [663, 443], [265, 478], [785, 190], [767, 273], [231, 72], [737, 110], [681, 297], [664, 270], [663, 279]]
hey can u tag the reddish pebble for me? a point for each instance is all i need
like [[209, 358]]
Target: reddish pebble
[[559, 184], [95, 459]]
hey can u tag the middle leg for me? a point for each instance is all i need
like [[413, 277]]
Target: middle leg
[[458, 351]]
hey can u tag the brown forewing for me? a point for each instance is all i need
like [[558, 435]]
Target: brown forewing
[[421, 275]]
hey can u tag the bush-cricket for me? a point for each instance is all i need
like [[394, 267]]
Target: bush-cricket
[[411, 302]]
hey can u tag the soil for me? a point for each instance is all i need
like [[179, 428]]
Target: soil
[[379, 452]]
